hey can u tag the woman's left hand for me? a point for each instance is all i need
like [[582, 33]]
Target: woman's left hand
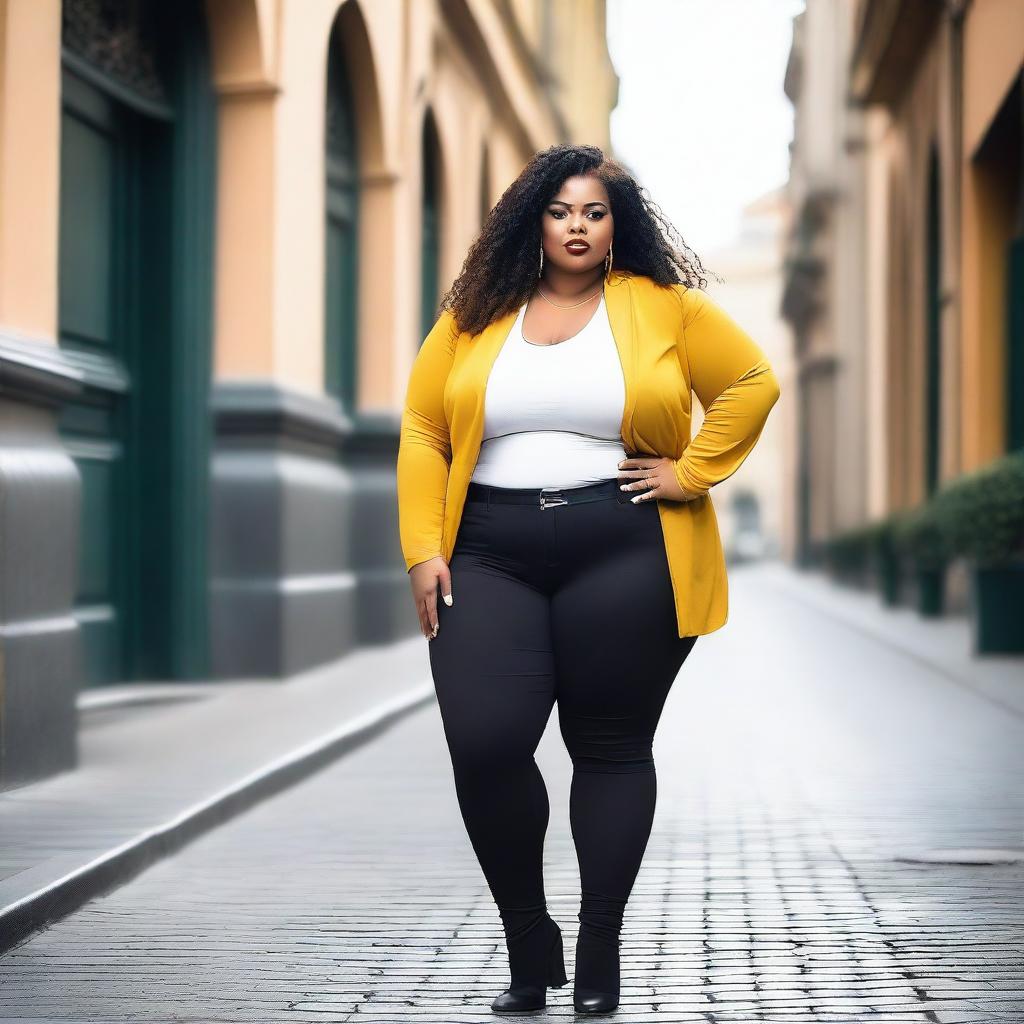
[[652, 477]]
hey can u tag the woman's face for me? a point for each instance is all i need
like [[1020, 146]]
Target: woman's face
[[579, 212]]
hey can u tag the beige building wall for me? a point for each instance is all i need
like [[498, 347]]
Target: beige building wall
[[183, 493], [919, 122], [29, 166], [474, 64], [993, 57], [823, 299], [943, 97], [847, 291], [474, 72], [881, 89], [751, 291], [877, 270]]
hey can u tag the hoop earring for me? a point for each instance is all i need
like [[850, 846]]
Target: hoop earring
[[540, 270], [608, 263]]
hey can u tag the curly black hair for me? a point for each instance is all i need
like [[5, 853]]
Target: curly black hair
[[499, 273]]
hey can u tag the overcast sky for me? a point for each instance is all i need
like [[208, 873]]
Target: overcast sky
[[702, 120]]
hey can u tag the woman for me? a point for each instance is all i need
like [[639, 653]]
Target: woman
[[566, 522]]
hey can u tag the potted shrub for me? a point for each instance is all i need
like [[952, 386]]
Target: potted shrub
[[983, 515], [919, 537], [885, 560], [847, 556]]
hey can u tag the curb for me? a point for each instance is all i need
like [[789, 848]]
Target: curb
[[55, 900]]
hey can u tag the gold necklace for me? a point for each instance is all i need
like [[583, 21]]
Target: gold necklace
[[558, 305]]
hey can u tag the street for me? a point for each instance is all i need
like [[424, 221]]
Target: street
[[802, 765]]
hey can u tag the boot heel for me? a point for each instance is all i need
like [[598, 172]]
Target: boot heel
[[556, 966]]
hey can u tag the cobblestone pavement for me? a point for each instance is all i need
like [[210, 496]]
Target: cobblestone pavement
[[798, 761]]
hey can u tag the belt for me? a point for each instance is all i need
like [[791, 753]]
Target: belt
[[547, 497]]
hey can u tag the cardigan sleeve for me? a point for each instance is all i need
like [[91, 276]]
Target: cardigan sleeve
[[424, 447], [736, 387]]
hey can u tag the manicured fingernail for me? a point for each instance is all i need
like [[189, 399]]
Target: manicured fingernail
[[622, 487], [447, 599]]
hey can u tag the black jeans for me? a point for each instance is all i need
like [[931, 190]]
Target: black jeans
[[570, 604]]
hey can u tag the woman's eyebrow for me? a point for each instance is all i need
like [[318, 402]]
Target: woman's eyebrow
[[595, 202]]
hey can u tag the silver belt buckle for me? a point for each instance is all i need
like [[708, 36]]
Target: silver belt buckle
[[547, 501]]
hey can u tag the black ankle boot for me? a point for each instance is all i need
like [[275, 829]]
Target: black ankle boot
[[535, 958], [596, 982]]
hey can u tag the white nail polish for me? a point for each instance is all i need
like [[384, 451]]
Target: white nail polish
[[447, 599]]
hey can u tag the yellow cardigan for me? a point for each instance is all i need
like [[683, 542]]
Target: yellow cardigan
[[670, 339]]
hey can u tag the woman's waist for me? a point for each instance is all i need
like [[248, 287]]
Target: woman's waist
[[546, 496], [535, 459]]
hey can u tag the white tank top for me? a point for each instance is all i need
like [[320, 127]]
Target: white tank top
[[552, 413]]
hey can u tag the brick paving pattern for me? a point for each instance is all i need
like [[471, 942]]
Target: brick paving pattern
[[798, 761]]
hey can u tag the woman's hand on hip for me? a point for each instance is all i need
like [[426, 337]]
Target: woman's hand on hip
[[425, 578], [650, 477]]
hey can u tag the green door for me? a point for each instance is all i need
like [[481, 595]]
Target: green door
[[933, 332], [341, 231], [135, 266], [429, 227], [1015, 342], [94, 295]]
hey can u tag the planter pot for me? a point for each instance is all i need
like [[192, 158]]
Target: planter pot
[[956, 597], [906, 582], [845, 577], [887, 580], [930, 587], [997, 608], [855, 576]]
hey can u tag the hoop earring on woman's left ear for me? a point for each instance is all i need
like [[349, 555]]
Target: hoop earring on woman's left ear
[[608, 262], [540, 269]]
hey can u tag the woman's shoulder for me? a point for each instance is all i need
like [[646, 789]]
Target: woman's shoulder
[[684, 291], [688, 300]]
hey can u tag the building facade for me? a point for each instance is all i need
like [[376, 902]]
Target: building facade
[[754, 507], [224, 231], [904, 270], [824, 276]]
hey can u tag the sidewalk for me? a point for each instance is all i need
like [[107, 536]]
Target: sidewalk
[[161, 764], [805, 767], [942, 644]]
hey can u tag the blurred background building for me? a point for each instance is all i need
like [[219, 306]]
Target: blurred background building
[[754, 506], [905, 275], [224, 231]]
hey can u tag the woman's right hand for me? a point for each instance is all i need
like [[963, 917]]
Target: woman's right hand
[[425, 577]]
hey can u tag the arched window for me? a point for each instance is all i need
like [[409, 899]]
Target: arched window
[[137, 180], [933, 329], [1015, 276], [342, 202], [430, 225], [485, 186]]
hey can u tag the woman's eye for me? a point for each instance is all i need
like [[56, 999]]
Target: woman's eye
[[559, 214]]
